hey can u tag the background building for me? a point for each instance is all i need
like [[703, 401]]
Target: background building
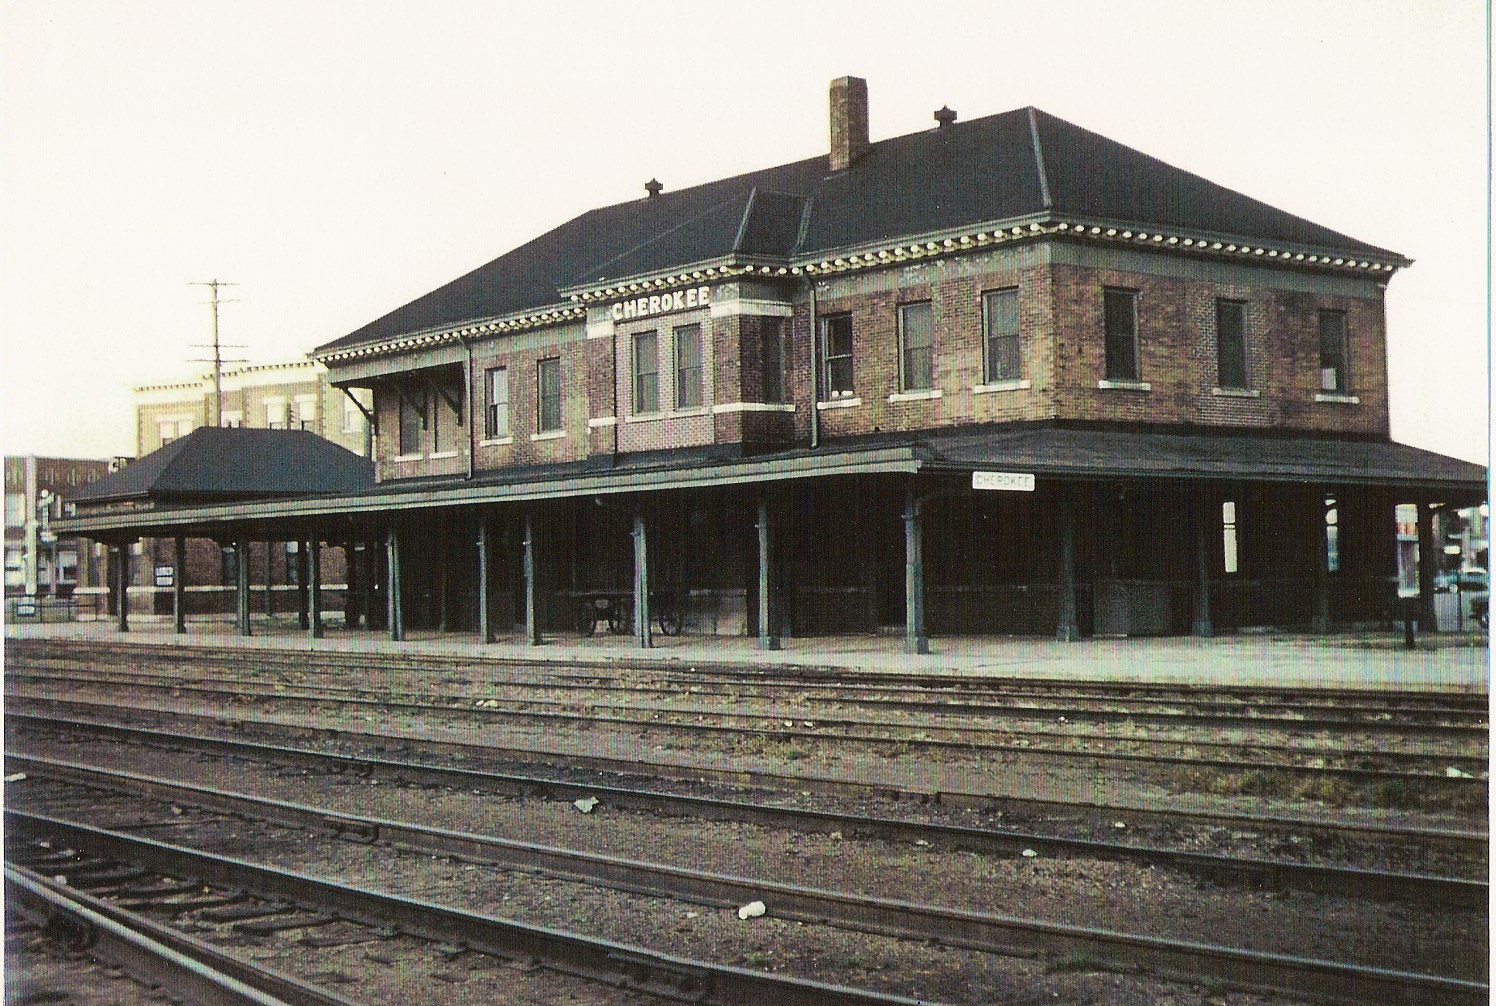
[[39, 564]]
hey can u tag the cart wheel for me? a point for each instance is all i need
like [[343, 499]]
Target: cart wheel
[[620, 618], [670, 621], [586, 618]]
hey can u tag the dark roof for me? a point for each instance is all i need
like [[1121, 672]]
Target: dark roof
[[1122, 453], [1002, 167], [214, 463]]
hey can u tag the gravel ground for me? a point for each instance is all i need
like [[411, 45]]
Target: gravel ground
[[41, 972]]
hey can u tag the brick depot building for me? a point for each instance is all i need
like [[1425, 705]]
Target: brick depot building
[[1002, 376]]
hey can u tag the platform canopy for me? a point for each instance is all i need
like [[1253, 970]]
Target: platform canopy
[[274, 482]]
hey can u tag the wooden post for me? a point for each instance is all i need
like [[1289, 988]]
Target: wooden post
[[396, 606], [768, 639], [532, 627], [301, 585], [241, 563], [269, 581], [442, 583], [178, 586], [122, 580], [915, 640], [314, 587], [641, 584], [352, 598], [1428, 567], [1203, 519], [1069, 627], [485, 628], [370, 575]]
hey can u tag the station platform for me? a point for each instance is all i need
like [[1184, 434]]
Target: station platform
[[1442, 661]]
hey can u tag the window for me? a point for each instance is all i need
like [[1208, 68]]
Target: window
[[1332, 537], [548, 399], [306, 412], [496, 381], [353, 419], [771, 356], [167, 429], [232, 419], [1333, 374], [1228, 536], [1231, 344], [1121, 310], [1000, 331], [916, 347], [646, 372], [836, 356], [15, 509], [688, 367], [412, 424], [275, 415]]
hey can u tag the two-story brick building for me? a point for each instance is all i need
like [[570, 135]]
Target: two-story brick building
[[999, 376]]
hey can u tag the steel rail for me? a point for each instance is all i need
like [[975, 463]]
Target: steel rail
[[1469, 778], [82, 672], [780, 675], [600, 960], [1462, 842], [1322, 980], [186, 967], [1423, 889]]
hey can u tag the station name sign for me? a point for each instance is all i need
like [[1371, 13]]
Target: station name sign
[[1018, 482], [662, 303]]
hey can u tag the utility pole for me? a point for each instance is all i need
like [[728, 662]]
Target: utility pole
[[216, 417]]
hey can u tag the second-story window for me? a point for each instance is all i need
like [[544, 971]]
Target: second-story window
[[306, 412], [1231, 344], [275, 415], [412, 424], [496, 415], [548, 394], [771, 357], [916, 347], [1121, 310], [167, 431], [836, 356], [1333, 369], [646, 372], [688, 370], [1000, 330]]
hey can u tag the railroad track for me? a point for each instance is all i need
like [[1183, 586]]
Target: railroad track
[[1467, 845], [1319, 708], [264, 900], [1319, 980], [1446, 771]]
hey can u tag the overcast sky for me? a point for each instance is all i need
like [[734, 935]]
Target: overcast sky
[[337, 159]]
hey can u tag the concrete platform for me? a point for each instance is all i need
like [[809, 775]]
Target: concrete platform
[[1443, 662]]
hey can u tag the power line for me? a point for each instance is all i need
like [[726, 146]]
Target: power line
[[214, 284]]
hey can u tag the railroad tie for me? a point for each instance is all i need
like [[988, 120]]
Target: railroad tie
[[265, 927]]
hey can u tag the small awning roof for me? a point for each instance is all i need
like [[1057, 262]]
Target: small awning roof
[[1046, 450]]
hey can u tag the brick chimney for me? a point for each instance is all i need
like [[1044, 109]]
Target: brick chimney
[[848, 121]]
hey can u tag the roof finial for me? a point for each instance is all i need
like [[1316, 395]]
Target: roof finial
[[653, 187], [945, 116]]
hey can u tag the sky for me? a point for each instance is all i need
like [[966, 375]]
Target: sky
[[338, 159]]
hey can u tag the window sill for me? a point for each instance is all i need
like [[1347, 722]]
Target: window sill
[[1124, 385], [496, 442], [986, 389], [443, 455], [1329, 396], [597, 422], [644, 417], [1236, 392], [549, 435], [753, 407], [839, 403], [695, 410], [921, 395], [402, 458]]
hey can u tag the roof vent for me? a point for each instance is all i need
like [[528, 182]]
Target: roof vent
[[945, 116], [848, 121], [653, 187]]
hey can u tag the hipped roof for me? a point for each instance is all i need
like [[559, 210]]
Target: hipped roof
[[1013, 165]]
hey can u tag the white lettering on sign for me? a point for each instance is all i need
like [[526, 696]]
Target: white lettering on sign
[[1018, 482], [680, 300]]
